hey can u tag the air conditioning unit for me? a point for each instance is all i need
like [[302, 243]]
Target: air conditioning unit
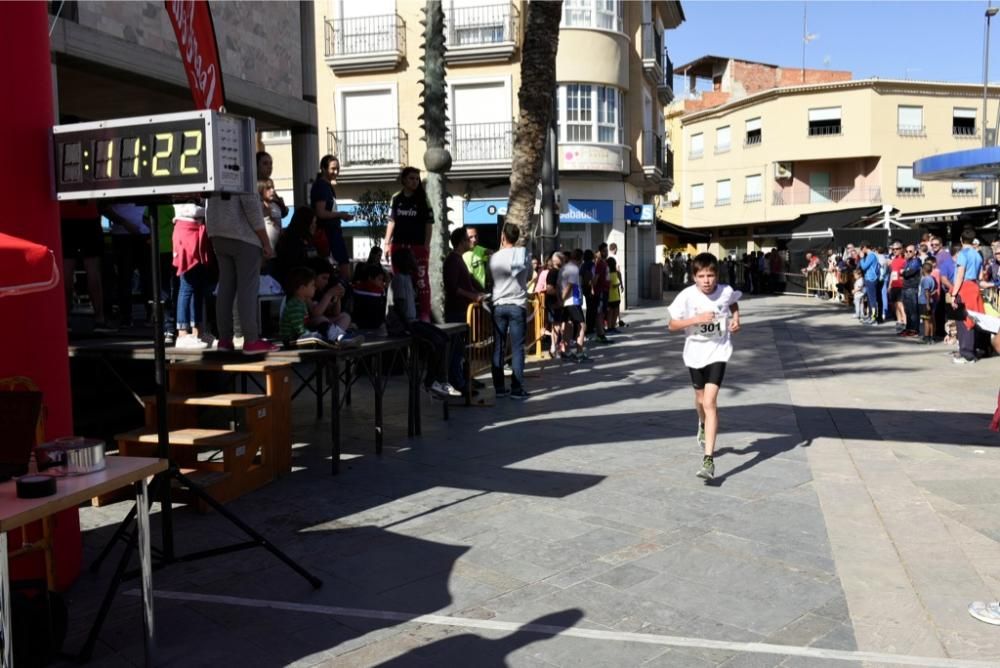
[[782, 170]]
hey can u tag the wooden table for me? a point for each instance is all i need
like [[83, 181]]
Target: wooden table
[[71, 492]]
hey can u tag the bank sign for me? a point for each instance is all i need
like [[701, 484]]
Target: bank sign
[[592, 211]]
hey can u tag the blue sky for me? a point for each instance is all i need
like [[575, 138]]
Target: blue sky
[[935, 40]]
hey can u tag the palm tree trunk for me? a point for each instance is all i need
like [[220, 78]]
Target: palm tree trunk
[[535, 98]]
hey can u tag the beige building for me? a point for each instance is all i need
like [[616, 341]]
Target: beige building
[[786, 151], [614, 79]]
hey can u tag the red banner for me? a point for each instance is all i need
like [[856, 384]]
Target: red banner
[[192, 21]]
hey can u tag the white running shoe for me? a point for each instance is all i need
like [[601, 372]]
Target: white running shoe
[[190, 342]]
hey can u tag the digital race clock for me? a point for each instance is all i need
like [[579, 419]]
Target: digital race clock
[[189, 152]]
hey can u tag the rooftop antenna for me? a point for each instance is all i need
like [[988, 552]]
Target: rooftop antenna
[[806, 38]]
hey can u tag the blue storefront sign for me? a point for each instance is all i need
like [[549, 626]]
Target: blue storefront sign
[[640, 215], [589, 211], [483, 211]]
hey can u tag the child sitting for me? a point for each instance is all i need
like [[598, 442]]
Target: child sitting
[[329, 307], [401, 319], [859, 294], [295, 318]]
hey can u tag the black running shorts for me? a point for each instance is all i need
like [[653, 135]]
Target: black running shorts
[[574, 314], [709, 375]]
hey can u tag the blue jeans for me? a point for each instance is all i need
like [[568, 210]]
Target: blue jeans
[[191, 297], [874, 302], [512, 319]]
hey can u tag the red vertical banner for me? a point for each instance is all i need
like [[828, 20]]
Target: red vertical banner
[[192, 21], [33, 332]]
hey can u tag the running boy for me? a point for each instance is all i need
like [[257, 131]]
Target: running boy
[[708, 313]]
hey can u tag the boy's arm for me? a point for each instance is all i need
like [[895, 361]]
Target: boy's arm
[[734, 321], [317, 309], [677, 324]]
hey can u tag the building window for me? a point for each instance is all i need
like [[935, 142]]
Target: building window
[[276, 136], [697, 196], [697, 146], [753, 137], [723, 192], [475, 22], [906, 185], [910, 121], [963, 122], [577, 103], [963, 189], [753, 193], [722, 141], [603, 14], [824, 122]]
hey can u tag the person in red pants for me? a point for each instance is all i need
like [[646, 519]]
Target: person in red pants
[[410, 225]]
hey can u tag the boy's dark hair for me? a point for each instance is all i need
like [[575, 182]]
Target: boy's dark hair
[[588, 255], [865, 244], [955, 247], [406, 171], [261, 154], [320, 266], [458, 235], [511, 233], [577, 255], [927, 266], [612, 264], [704, 261], [603, 248], [968, 235], [298, 277]]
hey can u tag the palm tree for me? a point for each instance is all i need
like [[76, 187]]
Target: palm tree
[[535, 99]]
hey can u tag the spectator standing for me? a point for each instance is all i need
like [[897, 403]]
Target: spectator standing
[[536, 269], [896, 266], [926, 299], [553, 303], [237, 229], [858, 293], [870, 268], [271, 210], [965, 291], [295, 245], [83, 239], [980, 248], [410, 224], [475, 258], [908, 296], [601, 288], [192, 259], [614, 295], [459, 292], [571, 292], [509, 269], [329, 221], [129, 244], [265, 167], [587, 289]]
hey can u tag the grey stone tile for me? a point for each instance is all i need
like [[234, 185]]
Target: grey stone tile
[[625, 576]]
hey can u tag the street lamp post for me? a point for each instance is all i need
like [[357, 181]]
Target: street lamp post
[[990, 13]]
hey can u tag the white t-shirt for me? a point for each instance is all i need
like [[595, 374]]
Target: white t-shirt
[[709, 342], [569, 275]]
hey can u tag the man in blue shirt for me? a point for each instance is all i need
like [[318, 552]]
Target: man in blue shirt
[[946, 269], [869, 265], [965, 289]]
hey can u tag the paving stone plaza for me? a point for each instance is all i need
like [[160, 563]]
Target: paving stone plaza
[[854, 516]]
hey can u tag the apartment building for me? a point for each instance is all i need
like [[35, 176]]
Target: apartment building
[[614, 77], [792, 150]]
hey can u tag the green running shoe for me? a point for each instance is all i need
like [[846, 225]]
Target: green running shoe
[[701, 435], [707, 470]]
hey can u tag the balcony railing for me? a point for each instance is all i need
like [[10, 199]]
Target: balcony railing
[[966, 191], [694, 154], [723, 201], [700, 204], [382, 147], [482, 142], [652, 50], [964, 131], [911, 130], [752, 140], [668, 164], [752, 198], [825, 130], [722, 148], [482, 25], [909, 191], [365, 42], [665, 88], [827, 196], [652, 152]]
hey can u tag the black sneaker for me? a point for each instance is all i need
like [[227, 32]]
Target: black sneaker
[[519, 394]]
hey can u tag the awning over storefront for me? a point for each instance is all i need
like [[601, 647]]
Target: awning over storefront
[[682, 234], [974, 164], [978, 216], [810, 226]]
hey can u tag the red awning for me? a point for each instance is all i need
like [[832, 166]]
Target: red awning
[[26, 267]]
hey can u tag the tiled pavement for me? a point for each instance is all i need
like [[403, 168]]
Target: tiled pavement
[[854, 510]]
